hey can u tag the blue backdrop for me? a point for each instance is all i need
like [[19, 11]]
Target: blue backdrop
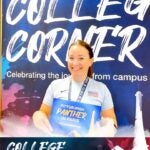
[[36, 36]]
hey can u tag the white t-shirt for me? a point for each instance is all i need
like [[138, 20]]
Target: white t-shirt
[[96, 93]]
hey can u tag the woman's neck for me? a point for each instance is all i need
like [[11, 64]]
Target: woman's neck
[[78, 78]]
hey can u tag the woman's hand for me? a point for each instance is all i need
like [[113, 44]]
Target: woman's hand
[[104, 128], [41, 121]]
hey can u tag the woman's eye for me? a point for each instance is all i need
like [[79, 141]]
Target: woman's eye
[[81, 58], [71, 58]]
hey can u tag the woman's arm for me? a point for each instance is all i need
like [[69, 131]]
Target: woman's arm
[[40, 118], [45, 109], [109, 113]]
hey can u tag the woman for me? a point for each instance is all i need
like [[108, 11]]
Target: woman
[[80, 60]]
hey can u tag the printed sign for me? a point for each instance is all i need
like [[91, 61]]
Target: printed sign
[[73, 118]]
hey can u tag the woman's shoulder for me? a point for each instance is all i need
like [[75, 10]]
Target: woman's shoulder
[[60, 81], [97, 83]]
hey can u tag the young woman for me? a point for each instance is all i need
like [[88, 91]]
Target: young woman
[[80, 60]]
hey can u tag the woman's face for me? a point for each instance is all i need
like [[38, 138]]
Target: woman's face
[[79, 61]]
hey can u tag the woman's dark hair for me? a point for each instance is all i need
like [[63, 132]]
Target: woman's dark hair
[[88, 47]]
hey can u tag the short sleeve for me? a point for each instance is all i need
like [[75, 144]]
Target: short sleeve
[[48, 98], [107, 102]]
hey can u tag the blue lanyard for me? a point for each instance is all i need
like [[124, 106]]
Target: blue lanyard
[[81, 91]]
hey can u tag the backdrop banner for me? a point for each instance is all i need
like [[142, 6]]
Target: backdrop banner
[[36, 35], [67, 144]]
